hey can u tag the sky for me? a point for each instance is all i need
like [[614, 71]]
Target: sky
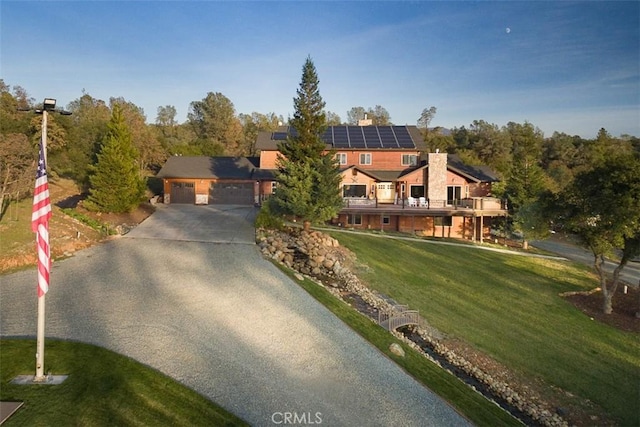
[[570, 67]]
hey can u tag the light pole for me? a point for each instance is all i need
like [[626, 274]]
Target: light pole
[[49, 105]]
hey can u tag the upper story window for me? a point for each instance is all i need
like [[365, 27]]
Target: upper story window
[[342, 158], [365, 158], [409, 160]]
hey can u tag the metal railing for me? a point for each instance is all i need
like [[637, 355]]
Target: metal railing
[[478, 203]]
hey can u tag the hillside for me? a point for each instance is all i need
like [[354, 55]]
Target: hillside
[[67, 234]]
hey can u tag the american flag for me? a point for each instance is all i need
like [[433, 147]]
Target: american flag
[[40, 223]]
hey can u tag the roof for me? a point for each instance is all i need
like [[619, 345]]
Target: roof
[[476, 173], [353, 138], [380, 175], [247, 168], [209, 167]]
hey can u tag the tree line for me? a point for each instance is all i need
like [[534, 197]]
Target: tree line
[[555, 181]]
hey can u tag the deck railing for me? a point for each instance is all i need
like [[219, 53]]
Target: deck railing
[[477, 203]]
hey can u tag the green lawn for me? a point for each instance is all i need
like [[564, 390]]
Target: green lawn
[[467, 401], [508, 306], [103, 389]]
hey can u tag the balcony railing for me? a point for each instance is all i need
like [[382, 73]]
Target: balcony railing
[[475, 203]]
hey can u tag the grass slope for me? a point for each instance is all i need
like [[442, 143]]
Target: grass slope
[[103, 389], [508, 306], [471, 404]]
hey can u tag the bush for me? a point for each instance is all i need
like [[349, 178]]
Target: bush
[[267, 219]]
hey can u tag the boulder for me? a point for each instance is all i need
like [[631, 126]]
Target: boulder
[[396, 349]]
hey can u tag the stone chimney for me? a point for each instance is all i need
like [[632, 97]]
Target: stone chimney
[[437, 177]]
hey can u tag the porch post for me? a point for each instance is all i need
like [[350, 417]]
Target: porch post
[[473, 234], [481, 227]]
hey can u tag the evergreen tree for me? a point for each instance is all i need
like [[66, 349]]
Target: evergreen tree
[[308, 174], [115, 183], [526, 181]]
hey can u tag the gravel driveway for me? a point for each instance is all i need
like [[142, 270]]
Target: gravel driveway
[[199, 303]]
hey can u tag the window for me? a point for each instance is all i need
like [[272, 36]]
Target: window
[[386, 220], [354, 219], [454, 194], [409, 160], [354, 190], [443, 221], [342, 158], [274, 184], [365, 158], [416, 190]]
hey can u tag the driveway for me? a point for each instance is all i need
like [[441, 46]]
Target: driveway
[[630, 273], [188, 293]]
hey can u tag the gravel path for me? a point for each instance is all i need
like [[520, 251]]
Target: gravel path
[[225, 322]]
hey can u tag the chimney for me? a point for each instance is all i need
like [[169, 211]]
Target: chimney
[[437, 176], [365, 121]]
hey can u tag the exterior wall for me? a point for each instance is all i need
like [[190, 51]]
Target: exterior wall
[[268, 159], [460, 228], [352, 176], [481, 189], [380, 160]]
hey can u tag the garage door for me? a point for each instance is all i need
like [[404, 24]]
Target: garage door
[[183, 192], [228, 193]]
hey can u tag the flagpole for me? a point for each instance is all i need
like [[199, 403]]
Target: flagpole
[[41, 306]]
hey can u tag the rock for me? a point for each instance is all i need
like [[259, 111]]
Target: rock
[[396, 349]]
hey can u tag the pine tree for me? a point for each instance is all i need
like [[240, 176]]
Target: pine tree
[[308, 174], [115, 183]]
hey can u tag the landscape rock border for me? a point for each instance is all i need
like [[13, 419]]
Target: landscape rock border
[[320, 257]]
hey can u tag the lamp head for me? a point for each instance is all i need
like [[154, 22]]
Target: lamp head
[[49, 104]]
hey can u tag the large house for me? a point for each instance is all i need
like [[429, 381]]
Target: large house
[[389, 182]]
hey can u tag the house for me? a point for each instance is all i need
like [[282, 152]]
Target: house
[[388, 182]]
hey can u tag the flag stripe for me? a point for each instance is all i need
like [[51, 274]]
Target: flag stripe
[[40, 216], [44, 260]]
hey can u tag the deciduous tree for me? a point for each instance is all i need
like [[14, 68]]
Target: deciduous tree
[[16, 175], [602, 207], [215, 124]]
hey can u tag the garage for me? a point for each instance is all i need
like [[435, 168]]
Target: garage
[[209, 180], [183, 192], [231, 193]]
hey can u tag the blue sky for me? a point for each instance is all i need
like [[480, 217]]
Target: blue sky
[[572, 67]]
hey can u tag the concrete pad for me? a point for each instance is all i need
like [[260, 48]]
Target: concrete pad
[[199, 223], [31, 380]]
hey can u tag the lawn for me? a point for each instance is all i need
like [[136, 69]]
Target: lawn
[[509, 307], [468, 402], [103, 389]]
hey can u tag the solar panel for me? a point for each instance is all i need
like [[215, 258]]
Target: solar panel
[[387, 137], [327, 135], [340, 138], [371, 137], [356, 138], [279, 136], [403, 137]]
